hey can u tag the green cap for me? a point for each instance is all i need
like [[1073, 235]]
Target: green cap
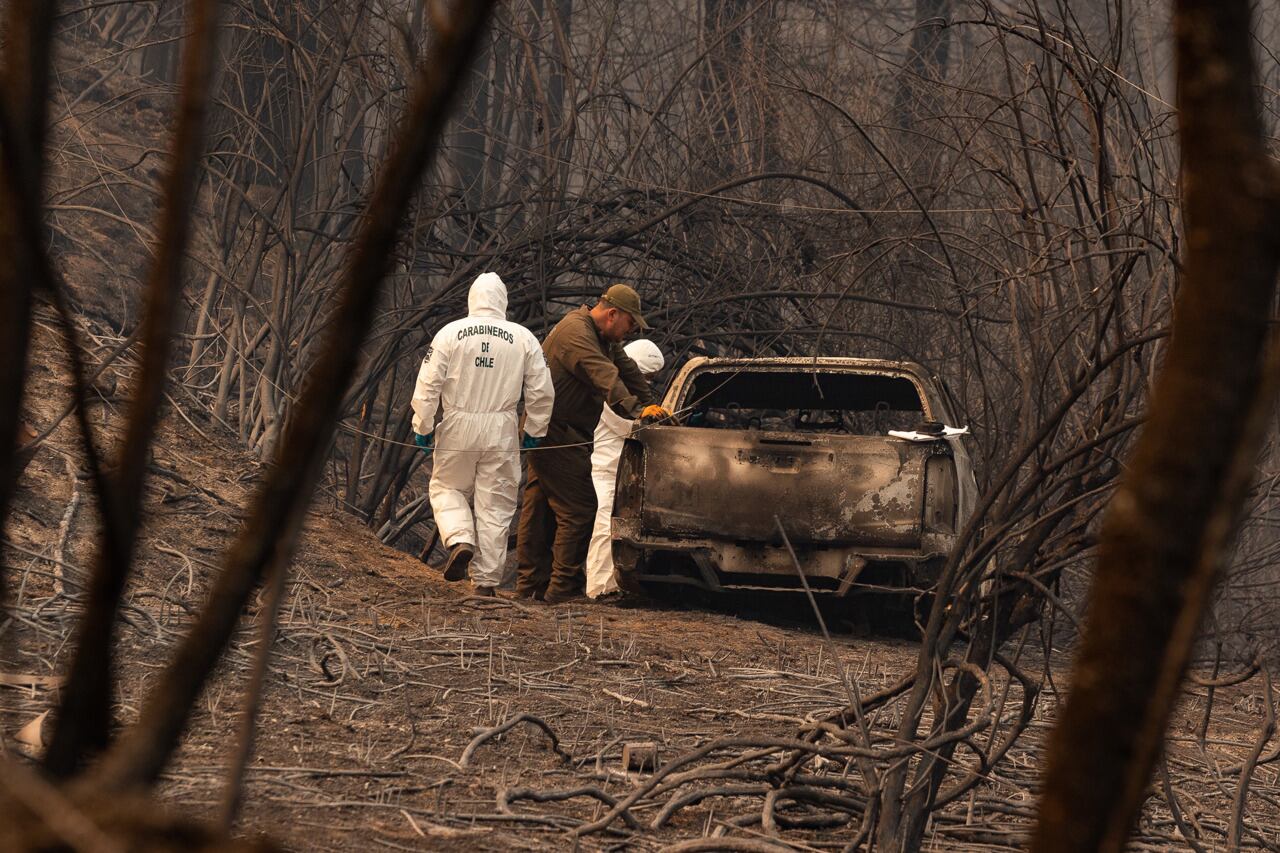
[[625, 299]]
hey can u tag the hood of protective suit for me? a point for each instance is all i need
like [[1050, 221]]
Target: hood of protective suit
[[488, 297], [646, 355]]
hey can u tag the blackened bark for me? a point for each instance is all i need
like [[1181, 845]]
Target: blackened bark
[[84, 719], [23, 113], [267, 542], [1173, 517], [723, 29], [926, 63]]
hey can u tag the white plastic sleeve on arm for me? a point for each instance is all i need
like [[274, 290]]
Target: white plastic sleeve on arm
[[615, 423], [539, 392], [426, 392]]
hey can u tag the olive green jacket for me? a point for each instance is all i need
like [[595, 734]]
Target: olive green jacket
[[588, 372]]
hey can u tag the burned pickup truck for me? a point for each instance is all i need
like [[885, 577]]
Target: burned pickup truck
[[856, 458]]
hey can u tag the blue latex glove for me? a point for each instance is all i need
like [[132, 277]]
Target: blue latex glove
[[528, 442], [426, 442]]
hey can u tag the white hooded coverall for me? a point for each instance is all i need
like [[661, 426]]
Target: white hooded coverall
[[477, 368], [605, 456]]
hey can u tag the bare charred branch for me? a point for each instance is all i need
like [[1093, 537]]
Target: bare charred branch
[[267, 542], [85, 717], [28, 29], [1170, 524]]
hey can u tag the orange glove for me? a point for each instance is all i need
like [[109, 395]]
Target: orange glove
[[654, 414]]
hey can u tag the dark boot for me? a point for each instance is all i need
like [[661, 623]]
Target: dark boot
[[563, 597], [485, 592], [455, 568]]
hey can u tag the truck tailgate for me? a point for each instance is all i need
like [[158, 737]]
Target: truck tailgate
[[827, 489]]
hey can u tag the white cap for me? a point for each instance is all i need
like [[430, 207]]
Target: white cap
[[646, 355]]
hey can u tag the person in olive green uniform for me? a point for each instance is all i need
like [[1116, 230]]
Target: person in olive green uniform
[[589, 369]]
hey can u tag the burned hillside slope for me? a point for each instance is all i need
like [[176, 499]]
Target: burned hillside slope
[[400, 713]]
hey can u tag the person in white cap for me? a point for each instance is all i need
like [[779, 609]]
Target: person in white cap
[[590, 370], [609, 436], [478, 368]]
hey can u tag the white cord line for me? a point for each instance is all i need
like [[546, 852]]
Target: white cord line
[[357, 431], [639, 428]]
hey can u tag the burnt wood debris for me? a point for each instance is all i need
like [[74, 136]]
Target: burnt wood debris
[[952, 522]]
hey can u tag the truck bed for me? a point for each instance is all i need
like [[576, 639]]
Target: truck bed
[[831, 489], [805, 440]]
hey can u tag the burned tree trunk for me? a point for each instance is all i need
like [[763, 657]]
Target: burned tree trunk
[[1173, 518], [266, 544], [27, 29], [112, 802], [85, 718], [926, 63]]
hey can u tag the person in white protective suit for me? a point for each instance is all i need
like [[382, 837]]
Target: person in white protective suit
[[478, 368], [610, 433]]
